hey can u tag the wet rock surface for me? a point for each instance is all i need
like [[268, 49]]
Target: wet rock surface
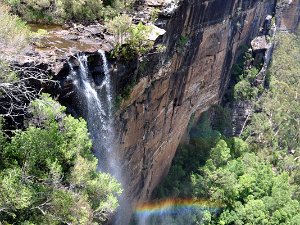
[[58, 43], [73, 38]]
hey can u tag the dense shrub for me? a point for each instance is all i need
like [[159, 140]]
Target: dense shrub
[[14, 34], [49, 11], [245, 88], [131, 40], [48, 173]]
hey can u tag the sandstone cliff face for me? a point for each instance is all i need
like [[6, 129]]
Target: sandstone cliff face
[[287, 14], [202, 39]]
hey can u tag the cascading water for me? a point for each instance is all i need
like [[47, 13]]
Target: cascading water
[[96, 105], [96, 101]]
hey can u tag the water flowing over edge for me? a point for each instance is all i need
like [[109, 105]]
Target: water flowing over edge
[[96, 102]]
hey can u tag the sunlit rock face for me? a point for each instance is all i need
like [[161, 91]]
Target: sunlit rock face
[[202, 40], [287, 15]]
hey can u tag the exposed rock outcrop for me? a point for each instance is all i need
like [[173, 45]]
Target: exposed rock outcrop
[[287, 15], [202, 39]]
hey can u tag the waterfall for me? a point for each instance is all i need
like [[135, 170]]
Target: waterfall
[[96, 103]]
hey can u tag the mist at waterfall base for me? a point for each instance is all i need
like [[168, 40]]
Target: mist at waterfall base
[[175, 211], [96, 102], [95, 96]]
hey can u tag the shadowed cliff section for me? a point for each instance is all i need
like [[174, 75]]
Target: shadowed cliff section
[[202, 42]]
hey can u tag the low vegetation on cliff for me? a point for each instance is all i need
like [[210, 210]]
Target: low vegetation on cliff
[[255, 178], [47, 11], [131, 40], [14, 34]]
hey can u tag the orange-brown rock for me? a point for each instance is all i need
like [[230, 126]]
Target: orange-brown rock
[[287, 15], [202, 39]]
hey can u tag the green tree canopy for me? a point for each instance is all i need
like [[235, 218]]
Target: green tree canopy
[[48, 172], [247, 188]]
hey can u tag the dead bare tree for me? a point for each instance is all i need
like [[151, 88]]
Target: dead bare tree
[[16, 95]]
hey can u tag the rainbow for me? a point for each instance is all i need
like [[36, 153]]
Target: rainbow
[[173, 206]]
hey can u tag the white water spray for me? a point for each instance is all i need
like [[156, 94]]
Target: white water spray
[[96, 104], [97, 110]]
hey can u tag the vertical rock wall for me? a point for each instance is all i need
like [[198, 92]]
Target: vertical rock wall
[[202, 39], [287, 15]]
